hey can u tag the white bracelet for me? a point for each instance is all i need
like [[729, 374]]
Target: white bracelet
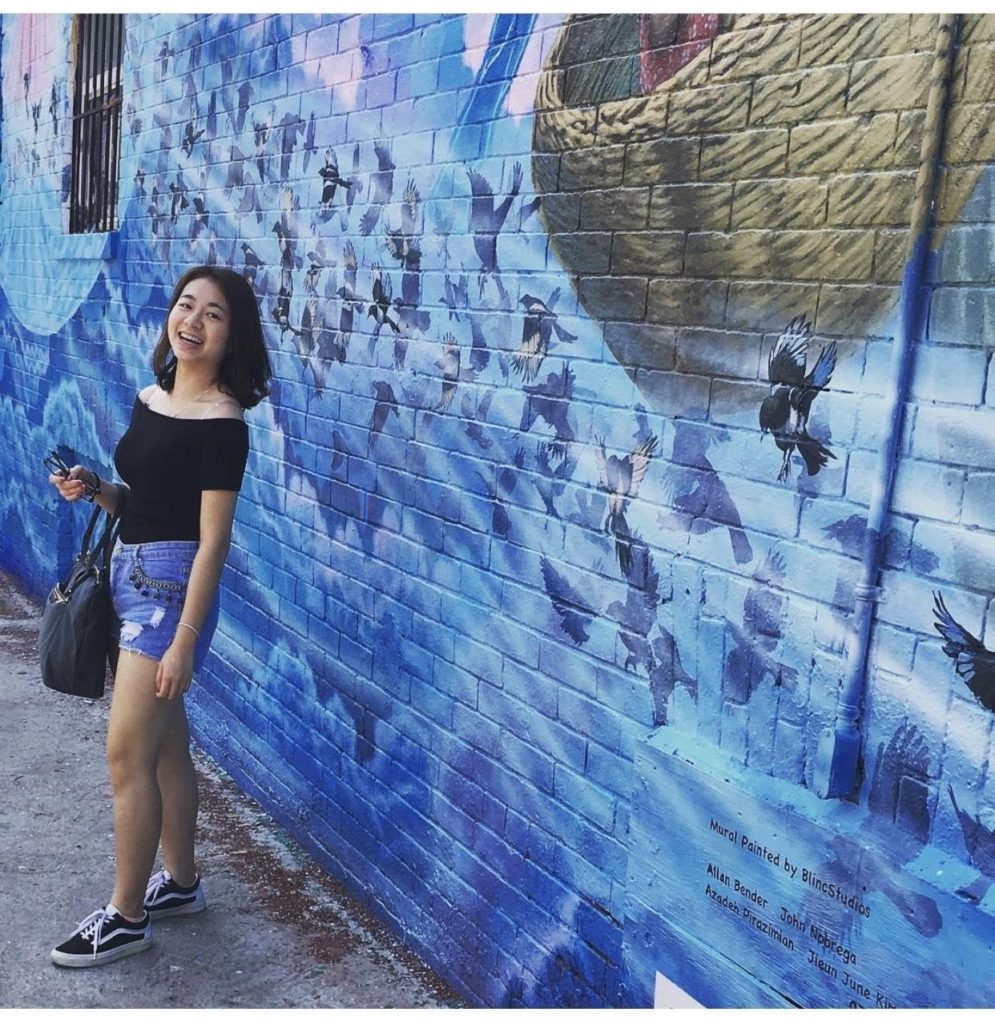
[[187, 624]]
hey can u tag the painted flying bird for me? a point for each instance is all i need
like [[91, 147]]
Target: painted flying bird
[[550, 482], [212, 249], [249, 203], [235, 177], [192, 96], [329, 174], [537, 330], [35, 115], [288, 259], [385, 403], [212, 116], [550, 401], [410, 317], [621, 478], [304, 342], [402, 244], [331, 282], [696, 489], [379, 309], [135, 123], [487, 218], [449, 365], [198, 222], [763, 608], [140, 182], [401, 340], [245, 91], [666, 672], [341, 449], [318, 261], [529, 208], [381, 188], [164, 54], [475, 418], [53, 109], [179, 201], [333, 346], [196, 41], [352, 189], [309, 146], [281, 311], [260, 136], [443, 221], [155, 213], [292, 126], [980, 843], [351, 302], [165, 146], [973, 662], [226, 97], [575, 613], [793, 394], [814, 453], [640, 650], [190, 134], [456, 296], [480, 355], [750, 661], [639, 612]]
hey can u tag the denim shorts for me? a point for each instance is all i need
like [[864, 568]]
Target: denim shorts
[[148, 588]]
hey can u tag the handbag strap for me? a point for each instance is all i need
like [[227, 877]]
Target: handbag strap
[[84, 549], [109, 538], [102, 549], [104, 546]]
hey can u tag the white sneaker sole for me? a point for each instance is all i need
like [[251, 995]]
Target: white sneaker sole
[[194, 907], [88, 960]]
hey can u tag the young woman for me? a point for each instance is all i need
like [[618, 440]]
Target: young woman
[[182, 460]]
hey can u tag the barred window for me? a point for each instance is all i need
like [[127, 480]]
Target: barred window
[[96, 141]]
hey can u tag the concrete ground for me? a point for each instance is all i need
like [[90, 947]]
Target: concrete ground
[[278, 931]]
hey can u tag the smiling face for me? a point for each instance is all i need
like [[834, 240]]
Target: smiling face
[[198, 324]]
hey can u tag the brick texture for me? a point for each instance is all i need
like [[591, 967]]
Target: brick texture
[[490, 540]]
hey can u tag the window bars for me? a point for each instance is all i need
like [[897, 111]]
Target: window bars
[[96, 123]]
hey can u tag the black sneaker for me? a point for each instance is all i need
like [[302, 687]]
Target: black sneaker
[[165, 897], [104, 936]]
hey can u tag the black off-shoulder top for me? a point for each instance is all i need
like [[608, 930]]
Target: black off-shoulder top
[[167, 463]]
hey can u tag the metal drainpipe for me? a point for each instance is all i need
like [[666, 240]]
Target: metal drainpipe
[[837, 755]]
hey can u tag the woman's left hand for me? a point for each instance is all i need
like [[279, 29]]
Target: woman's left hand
[[175, 672]]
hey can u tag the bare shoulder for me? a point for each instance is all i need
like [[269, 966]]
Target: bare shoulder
[[227, 409], [145, 395]]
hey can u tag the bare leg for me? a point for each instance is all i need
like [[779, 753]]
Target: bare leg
[[178, 785], [139, 722]]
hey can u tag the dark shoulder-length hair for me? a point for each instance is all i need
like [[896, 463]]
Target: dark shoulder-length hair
[[245, 369]]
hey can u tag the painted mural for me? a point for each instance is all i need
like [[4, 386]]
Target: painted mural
[[580, 329]]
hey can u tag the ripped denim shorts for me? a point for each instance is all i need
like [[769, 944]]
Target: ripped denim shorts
[[148, 588]]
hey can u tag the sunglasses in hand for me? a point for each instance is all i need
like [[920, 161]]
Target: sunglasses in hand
[[58, 466]]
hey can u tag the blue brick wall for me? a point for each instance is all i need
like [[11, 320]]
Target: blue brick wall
[[441, 643]]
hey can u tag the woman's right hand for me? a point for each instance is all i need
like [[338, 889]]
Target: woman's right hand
[[71, 487]]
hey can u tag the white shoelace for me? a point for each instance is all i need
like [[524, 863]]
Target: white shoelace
[[156, 882], [92, 927]]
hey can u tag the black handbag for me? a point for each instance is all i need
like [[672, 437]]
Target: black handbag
[[74, 641]]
